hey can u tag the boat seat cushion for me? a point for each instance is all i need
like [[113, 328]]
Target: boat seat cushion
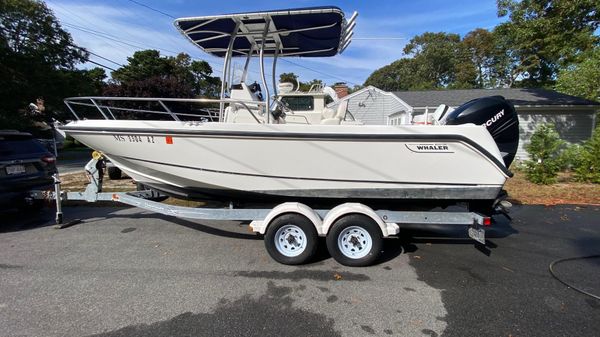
[[328, 113], [339, 115]]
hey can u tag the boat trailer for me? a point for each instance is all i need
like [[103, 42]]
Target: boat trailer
[[354, 232]]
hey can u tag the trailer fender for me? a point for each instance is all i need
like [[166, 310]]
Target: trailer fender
[[260, 226], [387, 229]]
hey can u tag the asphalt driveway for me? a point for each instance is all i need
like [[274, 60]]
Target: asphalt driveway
[[127, 272]]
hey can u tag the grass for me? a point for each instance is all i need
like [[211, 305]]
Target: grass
[[520, 190]]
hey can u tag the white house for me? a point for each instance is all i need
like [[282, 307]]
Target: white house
[[375, 106], [574, 117]]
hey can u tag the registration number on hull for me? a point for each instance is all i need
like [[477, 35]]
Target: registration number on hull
[[133, 139]]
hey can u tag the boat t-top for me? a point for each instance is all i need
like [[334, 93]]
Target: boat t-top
[[253, 143]]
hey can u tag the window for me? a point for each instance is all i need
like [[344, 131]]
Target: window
[[299, 103], [20, 145]]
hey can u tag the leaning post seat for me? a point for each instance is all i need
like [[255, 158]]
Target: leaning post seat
[[339, 115]]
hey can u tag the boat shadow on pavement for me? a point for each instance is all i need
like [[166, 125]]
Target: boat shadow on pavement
[[454, 235]]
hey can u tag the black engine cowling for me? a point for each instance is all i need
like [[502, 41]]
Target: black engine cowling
[[500, 118]]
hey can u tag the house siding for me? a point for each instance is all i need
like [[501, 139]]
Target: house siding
[[373, 107], [574, 126]]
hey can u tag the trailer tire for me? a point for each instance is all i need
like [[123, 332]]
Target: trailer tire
[[355, 240], [291, 239], [114, 173]]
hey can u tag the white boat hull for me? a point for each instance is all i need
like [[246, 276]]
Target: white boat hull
[[308, 161]]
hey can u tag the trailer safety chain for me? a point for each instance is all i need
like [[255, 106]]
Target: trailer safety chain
[[555, 262]]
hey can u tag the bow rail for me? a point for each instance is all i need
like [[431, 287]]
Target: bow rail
[[152, 108]]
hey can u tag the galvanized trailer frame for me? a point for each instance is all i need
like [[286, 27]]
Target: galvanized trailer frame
[[388, 221]]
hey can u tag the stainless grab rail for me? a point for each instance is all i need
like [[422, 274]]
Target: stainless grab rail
[[96, 102]]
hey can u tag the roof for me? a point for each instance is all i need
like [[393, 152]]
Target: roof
[[518, 96], [313, 32]]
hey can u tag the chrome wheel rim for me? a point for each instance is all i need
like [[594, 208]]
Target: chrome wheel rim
[[355, 242], [290, 240]]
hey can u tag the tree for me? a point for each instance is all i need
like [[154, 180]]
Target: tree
[[37, 58], [289, 78], [30, 29], [355, 88], [143, 65], [197, 73], [305, 86], [96, 77], [436, 57], [148, 74], [293, 78], [205, 84], [506, 69], [480, 46], [587, 167], [397, 76], [547, 34], [439, 60], [544, 150], [582, 79], [154, 86]]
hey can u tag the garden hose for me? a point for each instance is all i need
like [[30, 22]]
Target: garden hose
[[555, 262]]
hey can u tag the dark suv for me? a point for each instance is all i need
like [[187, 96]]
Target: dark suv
[[25, 165]]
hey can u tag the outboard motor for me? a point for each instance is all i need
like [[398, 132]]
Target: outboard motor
[[500, 118]]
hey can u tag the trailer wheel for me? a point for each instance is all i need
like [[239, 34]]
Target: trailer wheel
[[354, 240], [291, 239]]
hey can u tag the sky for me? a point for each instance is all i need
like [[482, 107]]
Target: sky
[[114, 29]]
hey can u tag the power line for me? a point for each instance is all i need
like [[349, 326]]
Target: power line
[[115, 38], [140, 23], [320, 72], [85, 25], [104, 58], [122, 41], [102, 65], [152, 9], [125, 42], [119, 40], [72, 15], [97, 55]]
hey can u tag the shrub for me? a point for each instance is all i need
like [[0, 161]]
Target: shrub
[[587, 168], [544, 151], [570, 156]]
